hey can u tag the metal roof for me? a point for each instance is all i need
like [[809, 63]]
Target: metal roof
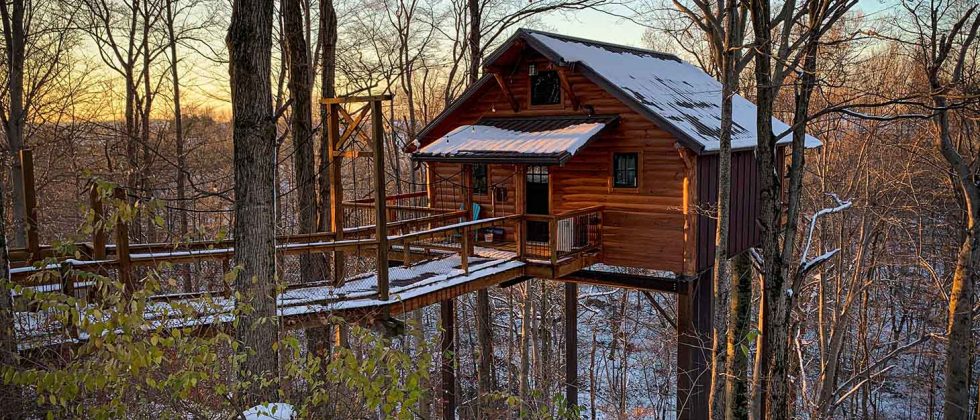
[[540, 141]]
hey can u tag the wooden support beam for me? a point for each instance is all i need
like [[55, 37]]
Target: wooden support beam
[[567, 86], [506, 89], [98, 224], [571, 344], [353, 99], [30, 203], [336, 189], [677, 285], [122, 246], [353, 125], [380, 214], [447, 311], [353, 154], [694, 349]]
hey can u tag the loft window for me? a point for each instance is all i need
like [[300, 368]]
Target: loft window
[[545, 88], [624, 170], [480, 179]]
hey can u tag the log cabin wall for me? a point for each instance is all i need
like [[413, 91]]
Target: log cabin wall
[[642, 227]]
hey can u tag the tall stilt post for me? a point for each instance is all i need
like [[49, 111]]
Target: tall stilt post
[[694, 348], [380, 212], [30, 203], [447, 309], [571, 344]]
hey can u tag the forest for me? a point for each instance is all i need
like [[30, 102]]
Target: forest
[[136, 128]]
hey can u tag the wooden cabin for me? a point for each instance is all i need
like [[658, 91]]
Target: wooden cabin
[[584, 124], [609, 154]]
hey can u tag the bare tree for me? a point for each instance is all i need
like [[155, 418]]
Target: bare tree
[[254, 134], [944, 39], [774, 61]]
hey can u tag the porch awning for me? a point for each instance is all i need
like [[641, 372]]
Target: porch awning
[[538, 141]]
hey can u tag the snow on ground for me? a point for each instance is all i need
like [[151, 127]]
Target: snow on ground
[[269, 411]]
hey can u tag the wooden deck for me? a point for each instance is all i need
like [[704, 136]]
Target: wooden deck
[[443, 262], [411, 288]]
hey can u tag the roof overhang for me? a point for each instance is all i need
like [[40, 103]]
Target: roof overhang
[[536, 141]]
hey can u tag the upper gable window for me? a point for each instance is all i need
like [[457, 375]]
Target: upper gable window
[[545, 88]]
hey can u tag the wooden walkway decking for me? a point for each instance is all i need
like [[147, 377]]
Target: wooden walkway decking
[[411, 288]]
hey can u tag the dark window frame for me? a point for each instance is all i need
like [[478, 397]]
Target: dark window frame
[[556, 99], [480, 178], [627, 177]]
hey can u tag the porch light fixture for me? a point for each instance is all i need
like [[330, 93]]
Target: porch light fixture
[[532, 70]]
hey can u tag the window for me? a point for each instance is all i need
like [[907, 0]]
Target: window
[[537, 174], [480, 179], [545, 88], [624, 170]]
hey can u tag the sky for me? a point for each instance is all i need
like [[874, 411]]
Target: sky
[[594, 24], [591, 24]]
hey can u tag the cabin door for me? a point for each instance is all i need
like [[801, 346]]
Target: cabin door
[[537, 202]]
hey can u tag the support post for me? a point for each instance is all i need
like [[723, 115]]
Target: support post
[[380, 203], [694, 348], [571, 344], [464, 251], [98, 224], [553, 242], [467, 187], [447, 311], [122, 247], [30, 203], [336, 188], [520, 207]]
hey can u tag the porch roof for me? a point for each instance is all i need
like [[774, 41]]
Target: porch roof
[[540, 141]]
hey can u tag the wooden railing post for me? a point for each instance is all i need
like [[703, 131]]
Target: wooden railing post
[[464, 251], [98, 224], [122, 247], [30, 203], [553, 240]]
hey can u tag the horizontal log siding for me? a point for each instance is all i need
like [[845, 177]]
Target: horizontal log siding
[[642, 227]]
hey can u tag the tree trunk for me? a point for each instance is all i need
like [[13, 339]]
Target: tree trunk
[[476, 53], [15, 40], [773, 385], [483, 318], [720, 276], [254, 134], [10, 396], [182, 224], [319, 339], [301, 125], [740, 320]]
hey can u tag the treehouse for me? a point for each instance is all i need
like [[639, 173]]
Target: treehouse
[[606, 153], [569, 160]]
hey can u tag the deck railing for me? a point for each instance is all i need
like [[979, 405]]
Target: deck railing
[[555, 237]]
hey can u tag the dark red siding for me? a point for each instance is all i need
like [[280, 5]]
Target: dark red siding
[[744, 212]]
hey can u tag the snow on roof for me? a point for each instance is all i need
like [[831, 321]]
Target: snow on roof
[[674, 92], [485, 141]]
